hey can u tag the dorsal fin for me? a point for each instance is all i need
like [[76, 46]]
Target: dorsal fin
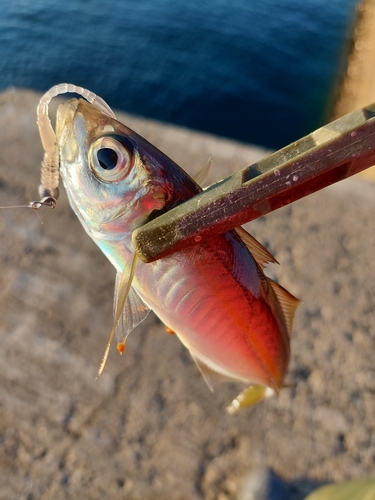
[[210, 376], [261, 255], [287, 301], [201, 176]]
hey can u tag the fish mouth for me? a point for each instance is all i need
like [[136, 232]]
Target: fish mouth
[[65, 115], [65, 118]]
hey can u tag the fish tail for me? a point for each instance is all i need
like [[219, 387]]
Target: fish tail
[[250, 396]]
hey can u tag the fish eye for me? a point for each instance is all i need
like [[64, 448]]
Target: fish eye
[[110, 158], [107, 158]]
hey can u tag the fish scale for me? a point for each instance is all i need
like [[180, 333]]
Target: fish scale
[[228, 311]]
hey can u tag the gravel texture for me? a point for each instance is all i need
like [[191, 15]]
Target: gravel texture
[[149, 428]]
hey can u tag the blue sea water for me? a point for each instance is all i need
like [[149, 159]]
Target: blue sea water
[[261, 71]]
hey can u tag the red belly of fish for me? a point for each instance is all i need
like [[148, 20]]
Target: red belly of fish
[[213, 298]]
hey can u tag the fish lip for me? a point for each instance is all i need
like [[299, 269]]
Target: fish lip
[[65, 117], [66, 111]]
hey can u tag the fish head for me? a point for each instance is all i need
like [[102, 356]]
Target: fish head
[[116, 180]]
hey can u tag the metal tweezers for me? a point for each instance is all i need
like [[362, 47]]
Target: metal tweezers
[[328, 155]]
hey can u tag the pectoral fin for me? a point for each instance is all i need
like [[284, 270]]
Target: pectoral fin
[[133, 312], [123, 286]]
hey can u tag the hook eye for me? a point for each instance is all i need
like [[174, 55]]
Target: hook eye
[[47, 201]]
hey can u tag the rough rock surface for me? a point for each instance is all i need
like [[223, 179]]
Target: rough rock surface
[[149, 428]]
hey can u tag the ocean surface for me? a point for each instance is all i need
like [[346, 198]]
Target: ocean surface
[[263, 72]]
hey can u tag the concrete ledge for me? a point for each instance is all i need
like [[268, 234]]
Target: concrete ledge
[[149, 428]]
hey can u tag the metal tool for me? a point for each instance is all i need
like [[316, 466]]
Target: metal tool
[[331, 153]]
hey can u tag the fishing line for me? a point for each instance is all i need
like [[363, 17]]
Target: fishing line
[[36, 205]]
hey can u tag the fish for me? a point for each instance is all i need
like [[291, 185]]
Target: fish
[[214, 296]]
